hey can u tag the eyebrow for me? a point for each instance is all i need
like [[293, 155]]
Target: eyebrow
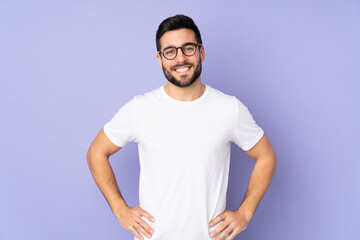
[[170, 46]]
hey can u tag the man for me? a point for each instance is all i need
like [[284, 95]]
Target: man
[[184, 131]]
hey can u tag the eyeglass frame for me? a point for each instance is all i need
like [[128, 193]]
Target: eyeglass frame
[[162, 52]]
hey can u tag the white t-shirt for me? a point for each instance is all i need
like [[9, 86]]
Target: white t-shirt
[[184, 152]]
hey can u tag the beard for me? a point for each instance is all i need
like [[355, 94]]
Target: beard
[[185, 79]]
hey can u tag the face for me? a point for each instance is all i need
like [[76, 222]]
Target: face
[[183, 70]]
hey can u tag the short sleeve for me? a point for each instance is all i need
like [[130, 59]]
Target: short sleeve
[[245, 133], [120, 129]]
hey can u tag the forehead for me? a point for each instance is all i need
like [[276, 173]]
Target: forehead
[[177, 37]]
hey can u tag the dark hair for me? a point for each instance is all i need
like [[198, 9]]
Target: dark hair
[[174, 23]]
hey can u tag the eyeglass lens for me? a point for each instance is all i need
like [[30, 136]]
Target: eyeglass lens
[[188, 50]]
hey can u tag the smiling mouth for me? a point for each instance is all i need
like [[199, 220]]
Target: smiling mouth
[[182, 69]]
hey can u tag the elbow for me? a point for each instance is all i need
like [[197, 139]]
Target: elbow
[[273, 162], [269, 161], [88, 158], [272, 159]]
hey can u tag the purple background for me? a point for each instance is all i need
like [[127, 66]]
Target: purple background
[[66, 67]]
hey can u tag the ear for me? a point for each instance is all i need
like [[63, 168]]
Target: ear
[[158, 57], [202, 53]]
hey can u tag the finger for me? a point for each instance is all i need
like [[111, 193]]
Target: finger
[[136, 233], [215, 220], [142, 230], [232, 236], [147, 215], [146, 226], [224, 233], [218, 229]]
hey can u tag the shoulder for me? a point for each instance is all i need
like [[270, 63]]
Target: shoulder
[[223, 98], [146, 98]]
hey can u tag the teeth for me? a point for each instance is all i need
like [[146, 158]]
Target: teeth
[[182, 69]]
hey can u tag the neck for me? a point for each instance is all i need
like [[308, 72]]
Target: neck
[[190, 93]]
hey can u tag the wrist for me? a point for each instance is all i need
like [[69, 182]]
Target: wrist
[[247, 212], [118, 209]]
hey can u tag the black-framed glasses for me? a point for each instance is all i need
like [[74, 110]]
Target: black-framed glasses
[[188, 49]]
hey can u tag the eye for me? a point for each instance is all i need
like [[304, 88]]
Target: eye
[[169, 51], [189, 48]]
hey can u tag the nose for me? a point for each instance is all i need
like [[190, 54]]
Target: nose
[[180, 57]]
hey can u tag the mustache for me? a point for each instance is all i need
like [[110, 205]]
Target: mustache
[[181, 65]]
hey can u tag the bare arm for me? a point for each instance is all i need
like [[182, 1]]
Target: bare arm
[[261, 176], [98, 160]]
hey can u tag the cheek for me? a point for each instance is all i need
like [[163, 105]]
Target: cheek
[[164, 66], [167, 66]]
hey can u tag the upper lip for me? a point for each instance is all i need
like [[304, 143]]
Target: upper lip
[[184, 66]]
